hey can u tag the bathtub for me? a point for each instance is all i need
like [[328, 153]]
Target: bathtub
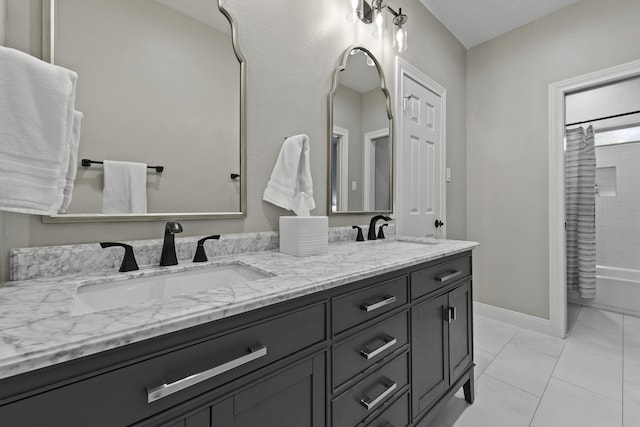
[[617, 289]]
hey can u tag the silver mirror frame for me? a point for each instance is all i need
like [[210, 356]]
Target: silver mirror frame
[[334, 87], [48, 54]]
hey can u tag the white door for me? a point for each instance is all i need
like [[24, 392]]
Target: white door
[[421, 158]]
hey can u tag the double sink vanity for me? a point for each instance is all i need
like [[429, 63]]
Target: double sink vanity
[[375, 333]]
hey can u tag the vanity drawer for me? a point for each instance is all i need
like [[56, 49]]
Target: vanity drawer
[[435, 277], [396, 415], [360, 306], [364, 398], [367, 348], [123, 396]]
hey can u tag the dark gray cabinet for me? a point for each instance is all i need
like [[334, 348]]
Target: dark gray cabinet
[[396, 415], [430, 341], [460, 325], [388, 350], [442, 340], [176, 379], [293, 397]]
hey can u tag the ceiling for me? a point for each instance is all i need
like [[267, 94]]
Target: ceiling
[[204, 11], [475, 21]]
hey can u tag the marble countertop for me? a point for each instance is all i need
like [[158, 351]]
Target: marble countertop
[[37, 330]]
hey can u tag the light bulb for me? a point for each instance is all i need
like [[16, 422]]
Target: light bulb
[[370, 62], [400, 33], [378, 21], [354, 15], [400, 39]]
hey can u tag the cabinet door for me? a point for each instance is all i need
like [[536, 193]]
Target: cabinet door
[[430, 368], [460, 330], [199, 419], [294, 397]]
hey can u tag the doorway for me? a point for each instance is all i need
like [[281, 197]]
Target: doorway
[[377, 174], [557, 215]]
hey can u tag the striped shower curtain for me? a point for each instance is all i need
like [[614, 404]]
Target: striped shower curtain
[[580, 199]]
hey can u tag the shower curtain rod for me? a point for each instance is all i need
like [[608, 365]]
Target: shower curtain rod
[[603, 118]]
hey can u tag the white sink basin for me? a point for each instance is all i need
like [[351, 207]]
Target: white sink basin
[[126, 293]]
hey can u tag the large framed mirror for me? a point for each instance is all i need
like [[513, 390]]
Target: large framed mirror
[[161, 82], [360, 146]]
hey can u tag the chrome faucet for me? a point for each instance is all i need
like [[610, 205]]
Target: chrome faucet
[[372, 226], [168, 256]]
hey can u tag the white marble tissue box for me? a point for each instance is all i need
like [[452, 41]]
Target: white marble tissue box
[[304, 235]]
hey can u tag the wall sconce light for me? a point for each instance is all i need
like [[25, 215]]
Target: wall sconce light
[[372, 12], [369, 61]]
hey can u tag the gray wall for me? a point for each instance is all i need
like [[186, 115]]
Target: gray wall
[[507, 126], [292, 48], [3, 29]]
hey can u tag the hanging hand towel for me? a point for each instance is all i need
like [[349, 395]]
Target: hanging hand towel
[[290, 185], [36, 129], [125, 188]]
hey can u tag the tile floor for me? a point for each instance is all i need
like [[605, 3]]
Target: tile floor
[[524, 378]]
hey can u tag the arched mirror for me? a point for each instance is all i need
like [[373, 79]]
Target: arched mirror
[[161, 82], [360, 137]]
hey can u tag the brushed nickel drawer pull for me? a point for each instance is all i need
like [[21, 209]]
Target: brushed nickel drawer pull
[[165, 390], [451, 314], [449, 276], [374, 306], [389, 342], [371, 404]]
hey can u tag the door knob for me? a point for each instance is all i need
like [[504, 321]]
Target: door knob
[[439, 223]]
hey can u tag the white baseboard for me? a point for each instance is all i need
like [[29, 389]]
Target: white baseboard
[[512, 317]]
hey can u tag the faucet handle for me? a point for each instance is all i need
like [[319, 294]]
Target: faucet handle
[[381, 231], [129, 260], [201, 255], [359, 237]]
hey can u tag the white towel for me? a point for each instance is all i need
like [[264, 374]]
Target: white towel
[[290, 185], [125, 188], [36, 127], [73, 162]]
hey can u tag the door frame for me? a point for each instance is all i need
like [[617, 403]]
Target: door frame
[[343, 167], [369, 167], [405, 69], [557, 246]]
